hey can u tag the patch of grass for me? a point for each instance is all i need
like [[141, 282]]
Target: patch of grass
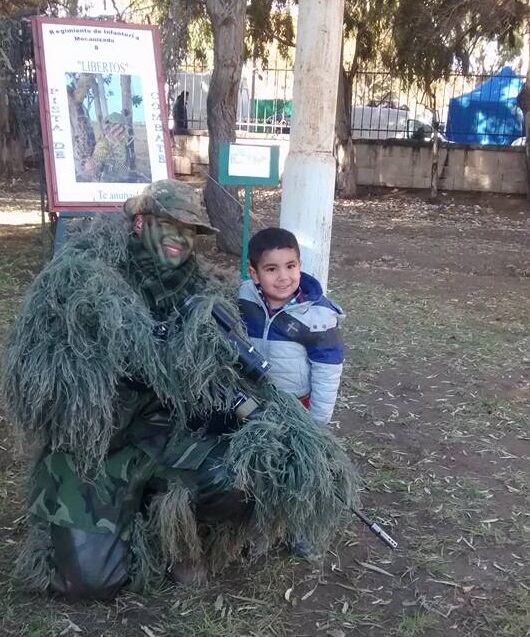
[[39, 628], [432, 564], [385, 480], [427, 553], [387, 326], [416, 625], [488, 418], [347, 615], [227, 620], [506, 617], [30, 620], [20, 260], [255, 607]]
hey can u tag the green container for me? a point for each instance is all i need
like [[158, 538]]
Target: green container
[[272, 116]]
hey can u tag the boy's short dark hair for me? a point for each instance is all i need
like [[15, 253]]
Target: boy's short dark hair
[[270, 239]]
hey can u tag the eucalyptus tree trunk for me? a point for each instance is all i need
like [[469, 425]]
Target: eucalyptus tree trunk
[[98, 104], [11, 143], [310, 169], [127, 110], [222, 203], [435, 151], [346, 181], [13, 135], [103, 105], [83, 136], [434, 165]]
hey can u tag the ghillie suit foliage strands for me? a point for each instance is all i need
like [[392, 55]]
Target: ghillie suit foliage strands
[[303, 483], [33, 569], [80, 329], [171, 519]]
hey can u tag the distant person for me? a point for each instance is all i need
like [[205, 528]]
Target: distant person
[[420, 134], [292, 323], [180, 114]]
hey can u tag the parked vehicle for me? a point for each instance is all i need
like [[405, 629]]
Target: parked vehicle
[[388, 120]]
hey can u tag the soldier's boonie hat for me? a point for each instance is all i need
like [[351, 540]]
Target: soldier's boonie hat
[[115, 118], [171, 199]]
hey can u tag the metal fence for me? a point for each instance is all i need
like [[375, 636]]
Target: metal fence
[[465, 108], [264, 101], [470, 109]]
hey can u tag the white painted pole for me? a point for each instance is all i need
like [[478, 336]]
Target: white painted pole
[[308, 183]]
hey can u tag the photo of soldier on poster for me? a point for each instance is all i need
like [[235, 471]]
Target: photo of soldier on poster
[[107, 121]]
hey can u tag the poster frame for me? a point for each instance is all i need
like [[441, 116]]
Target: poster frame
[[55, 205]]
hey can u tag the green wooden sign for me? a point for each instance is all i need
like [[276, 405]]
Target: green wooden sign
[[248, 165]]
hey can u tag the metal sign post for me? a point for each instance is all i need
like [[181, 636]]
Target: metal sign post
[[248, 165]]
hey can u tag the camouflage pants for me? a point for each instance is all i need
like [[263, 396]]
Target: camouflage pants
[[91, 522]]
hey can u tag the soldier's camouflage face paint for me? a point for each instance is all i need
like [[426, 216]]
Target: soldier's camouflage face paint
[[170, 241]]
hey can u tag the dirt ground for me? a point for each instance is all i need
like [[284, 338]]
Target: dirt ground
[[434, 410]]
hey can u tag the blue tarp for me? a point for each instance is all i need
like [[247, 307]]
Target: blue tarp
[[489, 113]]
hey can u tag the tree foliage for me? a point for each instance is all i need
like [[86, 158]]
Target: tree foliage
[[177, 20], [187, 30], [269, 22], [431, 38], [17, 9], [367, 25]]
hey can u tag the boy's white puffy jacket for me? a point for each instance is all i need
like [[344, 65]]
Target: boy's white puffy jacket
[[302, 342]]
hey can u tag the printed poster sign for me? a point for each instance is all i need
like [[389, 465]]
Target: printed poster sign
[[249, 161], [102, 111]]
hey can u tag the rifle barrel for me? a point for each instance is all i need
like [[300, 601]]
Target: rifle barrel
[[377, 530]]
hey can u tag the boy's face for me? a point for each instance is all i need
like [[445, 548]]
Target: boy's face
[[278, 273]]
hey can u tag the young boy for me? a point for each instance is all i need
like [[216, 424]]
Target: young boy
[[292, 323]]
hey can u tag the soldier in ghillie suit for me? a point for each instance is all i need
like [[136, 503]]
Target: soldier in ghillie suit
[[144, 472], [110, 153], [108, 162]]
